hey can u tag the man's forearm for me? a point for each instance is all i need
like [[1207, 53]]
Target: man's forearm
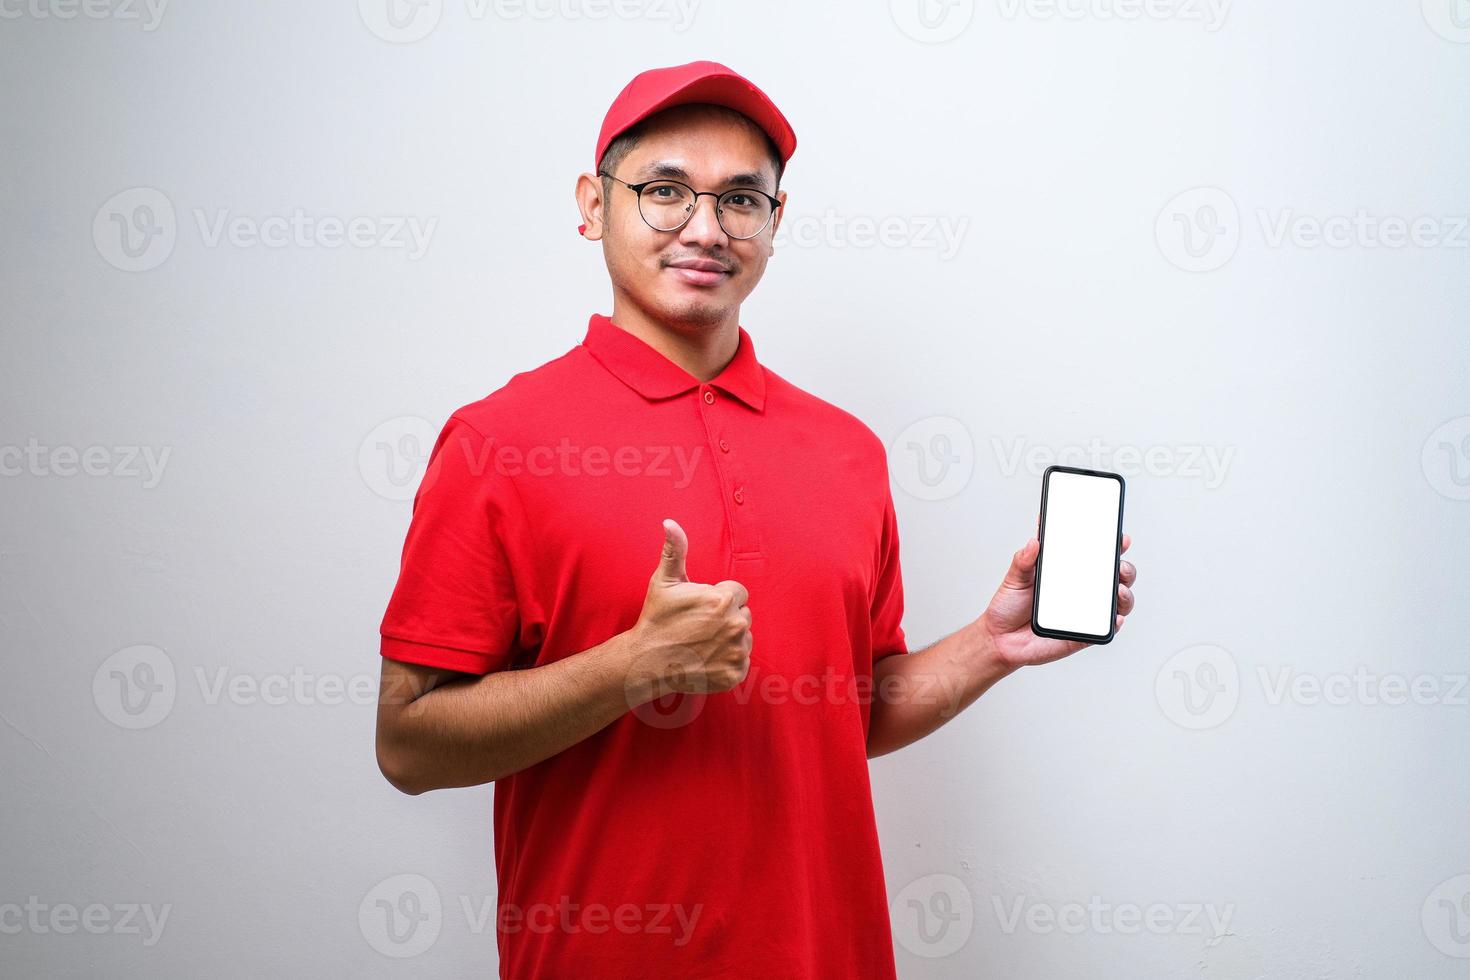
[[471, 731], [916, 693]]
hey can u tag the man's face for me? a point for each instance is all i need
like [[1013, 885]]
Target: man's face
[[697, 275]]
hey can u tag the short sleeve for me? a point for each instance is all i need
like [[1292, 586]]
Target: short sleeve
[[887, 608], [454, 605]]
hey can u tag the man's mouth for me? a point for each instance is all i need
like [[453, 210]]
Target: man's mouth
[[699, 272]]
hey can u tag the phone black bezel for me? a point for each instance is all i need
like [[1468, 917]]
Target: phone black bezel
[[1041, 554]]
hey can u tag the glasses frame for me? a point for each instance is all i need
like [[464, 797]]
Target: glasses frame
[[638, 189]]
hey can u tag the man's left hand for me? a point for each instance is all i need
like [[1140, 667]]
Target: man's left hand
[[1008, 618]]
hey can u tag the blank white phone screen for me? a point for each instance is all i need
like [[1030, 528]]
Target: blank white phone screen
[[1075, 591]]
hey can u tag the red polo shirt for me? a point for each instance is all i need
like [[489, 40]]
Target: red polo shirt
[[714, 835]]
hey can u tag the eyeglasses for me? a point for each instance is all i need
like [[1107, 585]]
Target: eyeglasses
[[667, 205]]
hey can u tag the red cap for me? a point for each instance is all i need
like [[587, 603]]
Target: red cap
[[699, 81]]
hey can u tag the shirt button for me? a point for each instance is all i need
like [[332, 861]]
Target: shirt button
[[740, 496], [724, 446], [709, 397]]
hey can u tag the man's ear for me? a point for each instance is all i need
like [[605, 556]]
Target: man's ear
[[590, 203], [776, 220]]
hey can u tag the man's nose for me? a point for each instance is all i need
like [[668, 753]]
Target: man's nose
[[703, 226]]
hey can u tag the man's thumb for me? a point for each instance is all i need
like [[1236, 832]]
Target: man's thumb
[[676, 546], [1022, 572]]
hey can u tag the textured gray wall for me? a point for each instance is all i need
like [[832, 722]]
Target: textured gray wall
[[1221, 245]]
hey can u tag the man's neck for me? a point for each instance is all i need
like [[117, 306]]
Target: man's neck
[[701, 350]]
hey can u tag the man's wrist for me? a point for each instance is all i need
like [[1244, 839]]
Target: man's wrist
[[642, 664], [985, 649], [628, 652]]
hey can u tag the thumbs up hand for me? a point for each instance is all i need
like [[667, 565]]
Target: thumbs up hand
[[691, 637]]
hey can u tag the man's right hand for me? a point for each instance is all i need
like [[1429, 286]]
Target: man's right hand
[[693, 638]]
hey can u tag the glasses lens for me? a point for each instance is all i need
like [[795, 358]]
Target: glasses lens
[[665, 204], [743, 214]]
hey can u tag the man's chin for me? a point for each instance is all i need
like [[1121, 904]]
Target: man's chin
[[694, 312]]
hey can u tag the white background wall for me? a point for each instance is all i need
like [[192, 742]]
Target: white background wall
[[1084, 244]]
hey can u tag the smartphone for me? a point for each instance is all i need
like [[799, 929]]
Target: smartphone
[[1076, 592]]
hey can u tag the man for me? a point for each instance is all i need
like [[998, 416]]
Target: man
[[679, 737]]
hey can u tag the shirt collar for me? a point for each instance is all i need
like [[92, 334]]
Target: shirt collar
[[654, 376]]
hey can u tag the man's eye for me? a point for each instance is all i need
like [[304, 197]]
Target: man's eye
[[743, 203]]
